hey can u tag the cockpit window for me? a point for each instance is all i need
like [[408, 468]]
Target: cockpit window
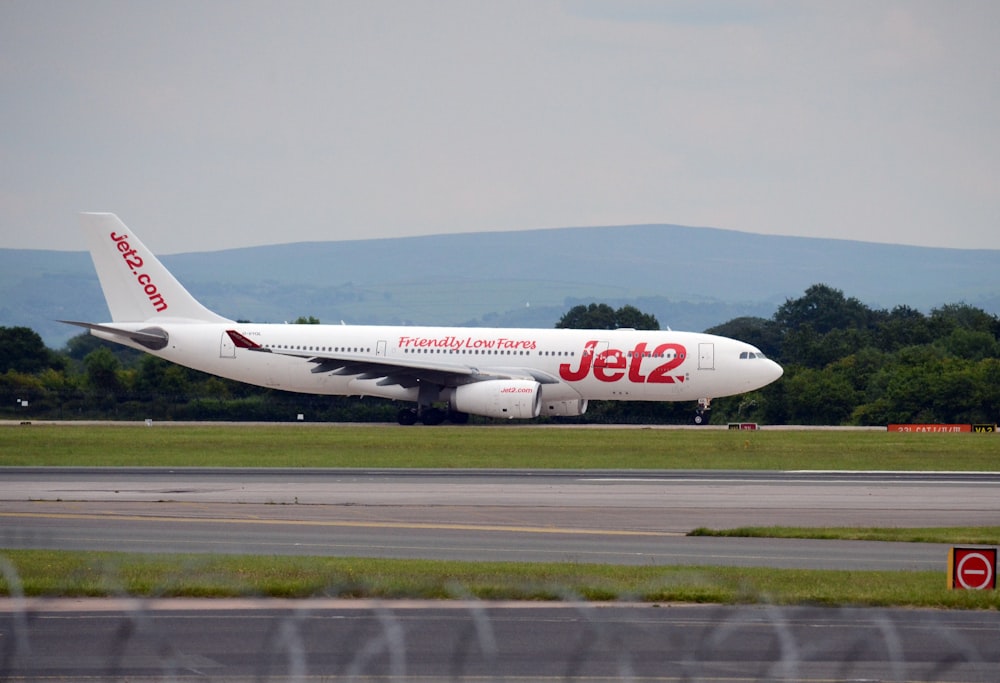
[[750, 355]]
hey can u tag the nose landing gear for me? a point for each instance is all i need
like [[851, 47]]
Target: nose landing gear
[[704, 412]]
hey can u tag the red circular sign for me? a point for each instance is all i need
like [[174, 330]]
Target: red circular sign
[[974, 570]]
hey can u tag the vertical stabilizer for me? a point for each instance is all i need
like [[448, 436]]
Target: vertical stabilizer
[[136, 286]]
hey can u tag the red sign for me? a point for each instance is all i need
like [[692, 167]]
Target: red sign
[[973, 568]]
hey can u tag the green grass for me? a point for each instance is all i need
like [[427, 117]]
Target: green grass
[[76, 574], [57, 573], [303, 445], [988, 535]]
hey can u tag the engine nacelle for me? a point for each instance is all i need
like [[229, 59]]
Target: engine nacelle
[[506, 398], [564, 408]]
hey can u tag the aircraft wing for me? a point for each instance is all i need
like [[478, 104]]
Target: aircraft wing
[[408, 372]]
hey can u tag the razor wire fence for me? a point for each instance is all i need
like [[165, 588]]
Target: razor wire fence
[[129, 638]]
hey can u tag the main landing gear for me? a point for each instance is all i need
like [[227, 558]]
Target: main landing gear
[[429, 396], [429, 415], [704, 412]]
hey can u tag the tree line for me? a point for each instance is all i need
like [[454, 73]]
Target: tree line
[[845, 364], [848, 364]]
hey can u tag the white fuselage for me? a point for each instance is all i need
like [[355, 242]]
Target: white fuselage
[[630, 365], [492, 372]]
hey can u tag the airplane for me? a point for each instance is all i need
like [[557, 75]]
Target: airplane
[[443, 373]]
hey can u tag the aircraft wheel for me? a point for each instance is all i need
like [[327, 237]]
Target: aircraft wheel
[[407, 416], [702, 417]]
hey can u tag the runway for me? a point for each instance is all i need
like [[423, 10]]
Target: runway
[[611, 517], [534, 515]]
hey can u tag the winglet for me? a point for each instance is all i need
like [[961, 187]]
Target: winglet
[[244, 343]]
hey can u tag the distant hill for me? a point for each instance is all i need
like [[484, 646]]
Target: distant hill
[[689, 278]]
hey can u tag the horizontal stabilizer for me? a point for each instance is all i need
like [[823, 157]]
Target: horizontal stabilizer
[[151, 337]]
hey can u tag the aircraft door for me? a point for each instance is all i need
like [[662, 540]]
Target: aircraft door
[[706, 356], [600, 354], [380, 348], [227, 349]]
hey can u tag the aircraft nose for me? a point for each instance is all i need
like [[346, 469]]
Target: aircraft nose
[[764, 372], [775, 371]]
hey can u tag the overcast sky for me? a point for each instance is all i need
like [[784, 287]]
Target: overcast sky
[[208, 125]]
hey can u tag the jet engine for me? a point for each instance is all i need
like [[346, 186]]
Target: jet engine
[[506, 398], [564, 408]]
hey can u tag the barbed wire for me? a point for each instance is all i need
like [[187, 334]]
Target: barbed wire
[[130, 638]]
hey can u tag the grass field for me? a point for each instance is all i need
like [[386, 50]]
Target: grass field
[[305, 445], [985, 535], [74, 574], [52, 573]]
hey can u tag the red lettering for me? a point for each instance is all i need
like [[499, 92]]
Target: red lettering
[[634, 374], [611, 365], [659, 375], [612, 359], [585, 362], [452, 343], [505, 343], [158, 303], [134, 261], [517, 390]]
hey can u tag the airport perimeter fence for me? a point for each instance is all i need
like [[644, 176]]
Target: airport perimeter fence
[[466, 640]]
